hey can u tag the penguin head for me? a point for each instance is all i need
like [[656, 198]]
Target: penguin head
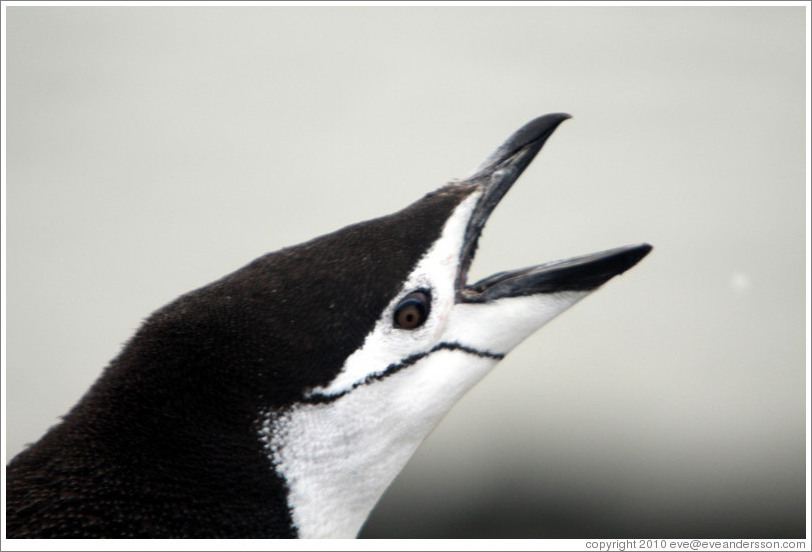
[[434, 312], [337, 357], [414, 336]]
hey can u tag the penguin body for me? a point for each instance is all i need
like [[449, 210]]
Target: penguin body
[[282, 399]]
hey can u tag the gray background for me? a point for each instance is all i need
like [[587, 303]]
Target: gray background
[[152, 150]]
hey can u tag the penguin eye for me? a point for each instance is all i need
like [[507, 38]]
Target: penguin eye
[[412, 311]]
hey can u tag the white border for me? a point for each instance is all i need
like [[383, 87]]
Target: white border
[[404, 3], [372, 544], [808, 297]]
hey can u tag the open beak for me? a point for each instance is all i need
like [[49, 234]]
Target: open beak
[[495, 177]]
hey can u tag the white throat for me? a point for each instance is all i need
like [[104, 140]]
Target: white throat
[[339, 457]]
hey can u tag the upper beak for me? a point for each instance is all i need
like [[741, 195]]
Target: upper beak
[[495, 177]]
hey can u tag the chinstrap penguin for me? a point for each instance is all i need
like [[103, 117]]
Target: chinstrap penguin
[[283, 399]]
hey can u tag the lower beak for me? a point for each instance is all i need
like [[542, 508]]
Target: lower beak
[[583, 273]]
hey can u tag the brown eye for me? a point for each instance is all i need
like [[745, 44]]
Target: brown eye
[[412, 311]]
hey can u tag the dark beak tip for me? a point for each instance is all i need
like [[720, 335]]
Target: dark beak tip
[[521, 147], [628, 258], [642, 251], [537, 128]]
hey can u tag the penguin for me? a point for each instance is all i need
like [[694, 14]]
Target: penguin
[[281, 400]]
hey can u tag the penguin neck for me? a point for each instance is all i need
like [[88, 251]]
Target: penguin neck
[[335, 469], [337, 457]]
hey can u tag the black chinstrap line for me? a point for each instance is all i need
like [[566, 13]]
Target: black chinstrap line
[[319, 398]]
